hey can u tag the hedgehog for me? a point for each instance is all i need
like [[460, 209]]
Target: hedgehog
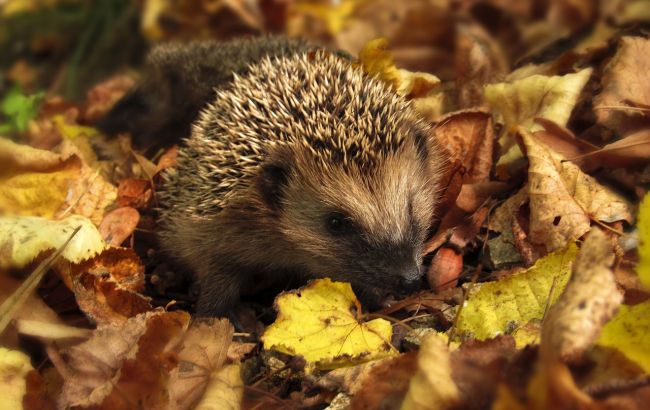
[[302, 166], [179, 80]]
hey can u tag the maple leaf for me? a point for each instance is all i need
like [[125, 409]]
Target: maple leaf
[[321, 323], [498, 307]]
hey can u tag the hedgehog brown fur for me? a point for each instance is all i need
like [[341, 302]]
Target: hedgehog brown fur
[[179, 79], [304, 166]]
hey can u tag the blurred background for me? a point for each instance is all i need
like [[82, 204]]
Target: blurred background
[[64, 47]]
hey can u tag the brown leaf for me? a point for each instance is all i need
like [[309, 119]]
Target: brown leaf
[[479, 60], [97, 370], [107, 286], [446, 266], [118, 225], [135, 193], [202, 351], [469, 138], [589, 300], [630, 151], [102, 96], [386, 384], [624, 84]]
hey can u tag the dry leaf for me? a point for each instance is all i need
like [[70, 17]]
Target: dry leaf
[[202, 354], [624, 86], [123, 364], [469, 138], [590, 299], [432, 387], [118, 225]]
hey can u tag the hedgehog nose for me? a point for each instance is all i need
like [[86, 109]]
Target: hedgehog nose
[[410, 279]]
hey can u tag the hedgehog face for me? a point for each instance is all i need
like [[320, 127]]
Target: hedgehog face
[[365, 225]]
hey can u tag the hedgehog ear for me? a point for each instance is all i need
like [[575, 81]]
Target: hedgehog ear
[[272, 180]]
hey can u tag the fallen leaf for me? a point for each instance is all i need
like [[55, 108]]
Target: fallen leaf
[[589, 300], [123, 363], [200, 371], [28, 187], [627, 332], [321, 322], [495, 308], [14, 367], [225, 389], [643, 226], [379, 384], [432, 386], [519, 103], [118, 225], [469, 138], [107, 287], [136, 193], [377, 60], [630, 151], [23, 238], [623, 85], [102, 96], [563, 199], [446, 266]]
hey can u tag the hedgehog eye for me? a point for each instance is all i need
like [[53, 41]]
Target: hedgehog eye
[[338, 224]]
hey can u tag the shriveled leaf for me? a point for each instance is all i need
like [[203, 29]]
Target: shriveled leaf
[[124, 363], [501, 307], [563, 199], [107, 286], [321, 322], [469, 138], [201, 372], [23, 238], [432, 387], [589, 300], [643, 226], [628, 332], [624, 84], [39, 183], [14, 366]]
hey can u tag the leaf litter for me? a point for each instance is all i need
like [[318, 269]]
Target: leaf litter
[[537, 268]]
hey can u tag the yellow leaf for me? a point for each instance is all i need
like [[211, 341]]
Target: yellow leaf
[[589, 300], [22, 238], [377, 60], [225, 389], [321, 323], [14, 367], [335, 15], [550, 97], [501, 307], [643, 225], [519, 102], [628, 332], [72, 131], [35, 182], [432, 386]]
